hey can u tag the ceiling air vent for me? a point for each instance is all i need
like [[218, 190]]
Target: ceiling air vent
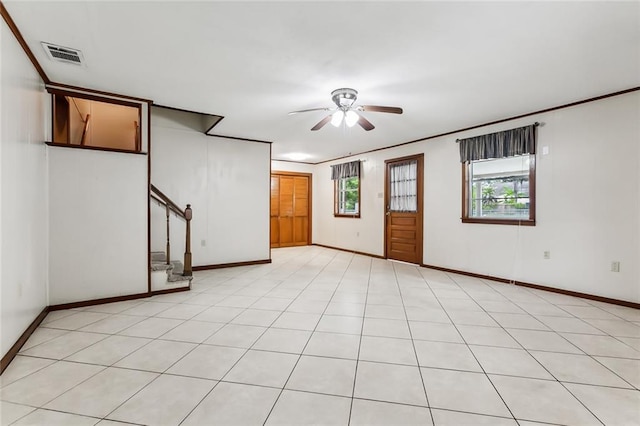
[[63, 54]]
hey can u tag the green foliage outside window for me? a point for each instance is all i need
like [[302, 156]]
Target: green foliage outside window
[[500, 189], [489, 200], [347, 196], [351, 194], [500, 196]]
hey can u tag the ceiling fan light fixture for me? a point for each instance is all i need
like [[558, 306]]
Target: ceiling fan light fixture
[[344, 98], [346, 111], [336, 118], [351, 118]]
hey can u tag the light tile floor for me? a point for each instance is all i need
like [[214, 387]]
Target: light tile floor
[[327, 337]]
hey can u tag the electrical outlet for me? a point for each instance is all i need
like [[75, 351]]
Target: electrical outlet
[[203, 243], [615, 266], [547, 254], [357, 234]]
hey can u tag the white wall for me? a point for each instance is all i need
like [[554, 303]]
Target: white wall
[[366, 233], [588, 199], [289, 166], [98, 224], [227, 184], [23, 199]]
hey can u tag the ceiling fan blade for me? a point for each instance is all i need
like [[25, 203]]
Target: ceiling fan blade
[[377, 108], [322, 122], [364, 123], [309, 110]]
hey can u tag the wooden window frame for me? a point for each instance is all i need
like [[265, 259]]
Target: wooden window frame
[[336, 192], [90, 97], [500, 221]]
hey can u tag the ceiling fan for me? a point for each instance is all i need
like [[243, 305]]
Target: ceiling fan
[[347, 111]]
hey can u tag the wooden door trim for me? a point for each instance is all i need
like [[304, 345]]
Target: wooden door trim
[[270, 175], [309, 197], [420, 191]]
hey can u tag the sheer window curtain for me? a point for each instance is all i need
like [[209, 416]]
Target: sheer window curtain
[[403, 187]]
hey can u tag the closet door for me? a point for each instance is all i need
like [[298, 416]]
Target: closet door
[[290, 209], [275, 211], [285, 220], [301, 211]]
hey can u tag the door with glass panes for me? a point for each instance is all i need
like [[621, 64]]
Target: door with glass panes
[[403, 213]]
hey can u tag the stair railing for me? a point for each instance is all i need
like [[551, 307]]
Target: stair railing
[[85, 128], [185, 214]]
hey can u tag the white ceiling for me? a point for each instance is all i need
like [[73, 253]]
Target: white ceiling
[[450, 65]]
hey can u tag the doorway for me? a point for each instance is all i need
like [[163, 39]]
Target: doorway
[[403, 208], [290, 209]]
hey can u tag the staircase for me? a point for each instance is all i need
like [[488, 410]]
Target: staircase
[[166, 276], [173, 274]]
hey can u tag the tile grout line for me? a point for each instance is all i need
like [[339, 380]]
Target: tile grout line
[[364, 315], [469, 349], [413, 345], [582, 320], [553, 379], [159, 374], [243, 286], [113, 365], [584, 353], [218, 381], [99, 419], [246, 350], [135, 369], [527, 351], [311, 335], [249, 348]]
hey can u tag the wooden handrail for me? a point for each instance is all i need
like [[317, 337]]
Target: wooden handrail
[[187, 214], [168, 201], [137, 142], [169, 206], [86, 126]]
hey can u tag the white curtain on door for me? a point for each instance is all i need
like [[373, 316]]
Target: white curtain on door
[[403, 184]]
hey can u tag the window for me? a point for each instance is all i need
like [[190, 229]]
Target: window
[[346, 189], [500, 191], [347, 197], [88, 122], [403, 187], [498, 177]]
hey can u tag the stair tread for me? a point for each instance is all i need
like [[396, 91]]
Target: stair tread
[[160, 266], [175, 268], [179, 277]]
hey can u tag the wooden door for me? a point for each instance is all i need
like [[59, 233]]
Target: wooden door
[[403, 215], [275, 211], [290, 209]]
